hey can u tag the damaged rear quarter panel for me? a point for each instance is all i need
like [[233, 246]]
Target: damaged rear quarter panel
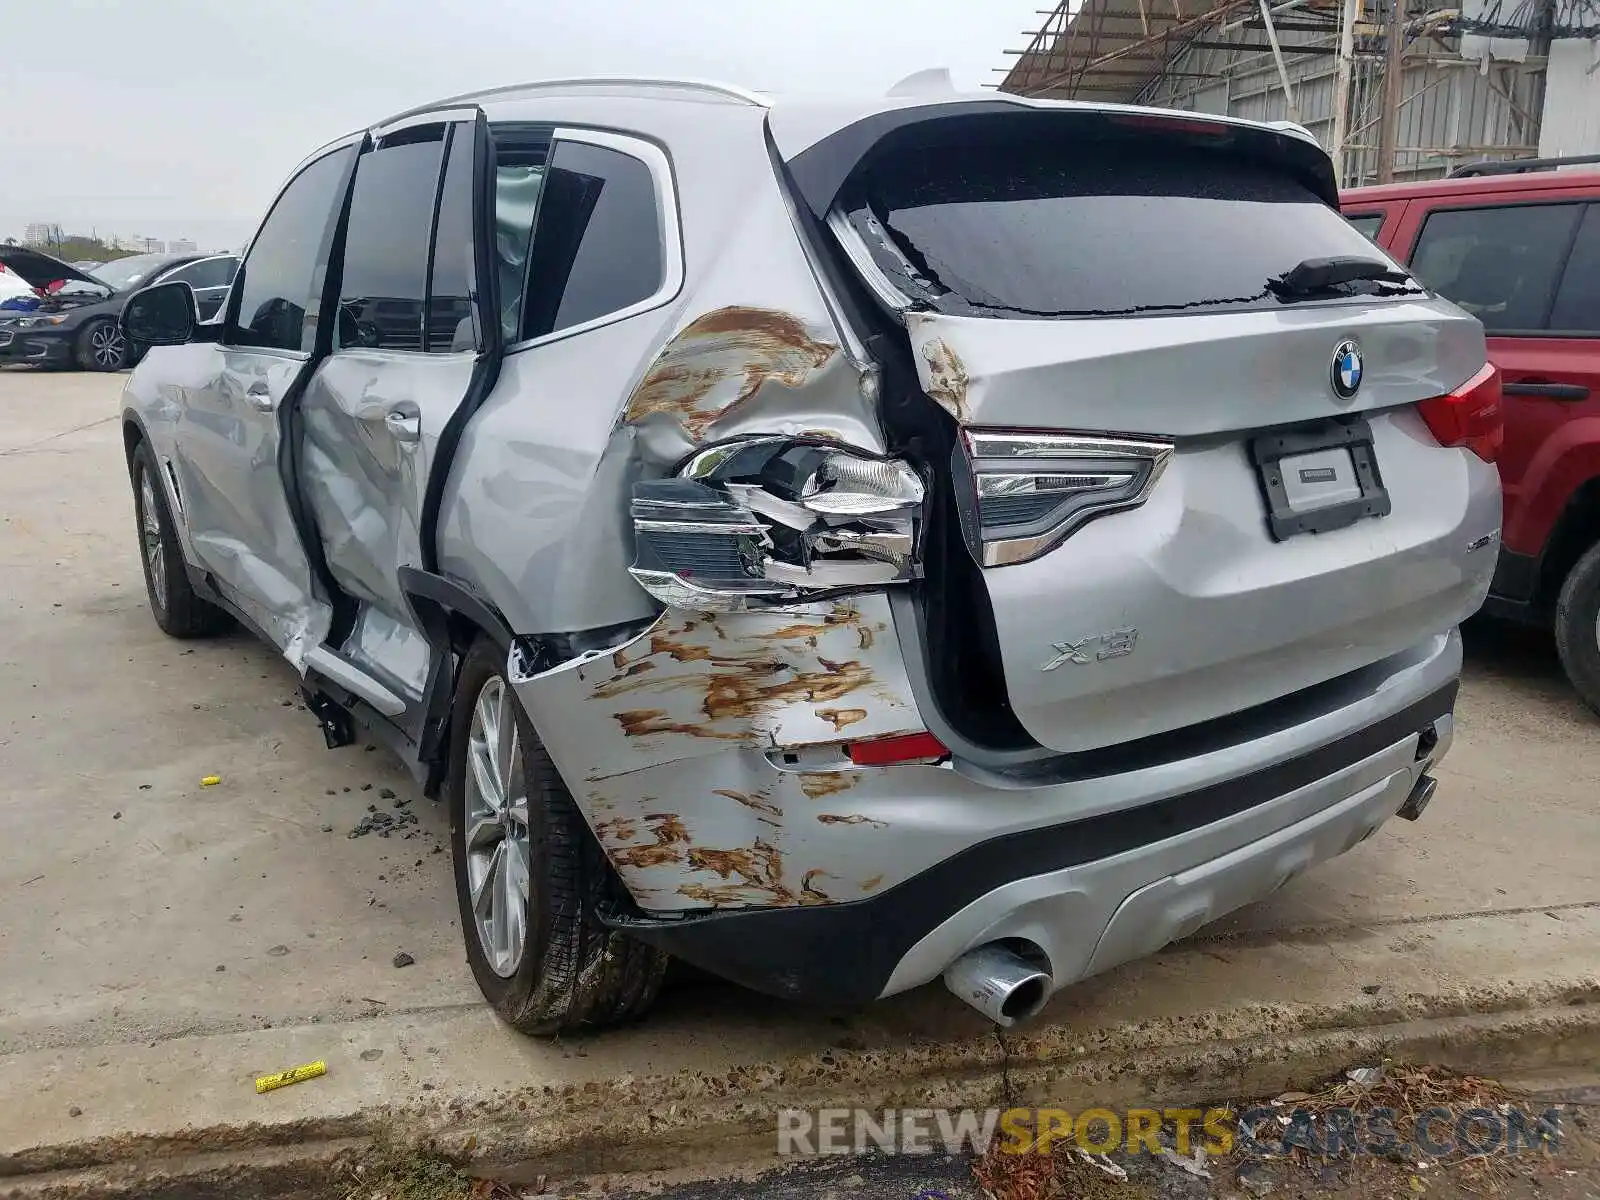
[[705, 696]]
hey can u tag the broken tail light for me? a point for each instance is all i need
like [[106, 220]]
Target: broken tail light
[[1470, 416], [1025, 493], [775, 520]]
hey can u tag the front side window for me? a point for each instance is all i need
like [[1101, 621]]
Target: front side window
[[279, 304], [597, 247], [1500, 264], [384, 281]]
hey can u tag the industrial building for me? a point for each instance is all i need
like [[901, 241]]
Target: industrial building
[[1394, 89]]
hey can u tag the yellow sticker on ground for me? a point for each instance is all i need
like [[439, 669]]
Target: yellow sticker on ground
[[211, 781], [293, 1075]]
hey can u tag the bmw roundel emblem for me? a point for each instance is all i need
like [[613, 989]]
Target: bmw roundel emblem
[[1345, 370]]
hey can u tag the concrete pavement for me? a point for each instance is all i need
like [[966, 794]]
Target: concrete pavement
[[161, 942]]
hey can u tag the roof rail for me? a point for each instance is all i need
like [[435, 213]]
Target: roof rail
[[1519, 166], [727, 90]]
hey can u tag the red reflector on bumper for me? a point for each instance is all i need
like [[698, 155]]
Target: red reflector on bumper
[[907, 747]]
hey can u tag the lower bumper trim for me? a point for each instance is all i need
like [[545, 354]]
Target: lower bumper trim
[[846, 953]]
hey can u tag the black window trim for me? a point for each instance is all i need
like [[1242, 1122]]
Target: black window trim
[[230, 311], [654, 156], [1483, 204]]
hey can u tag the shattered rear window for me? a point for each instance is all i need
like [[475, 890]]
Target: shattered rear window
[[1081, 228]]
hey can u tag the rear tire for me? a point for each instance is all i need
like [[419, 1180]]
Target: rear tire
[[538, 949], [1577, 627], [177, 608], [100, 346]]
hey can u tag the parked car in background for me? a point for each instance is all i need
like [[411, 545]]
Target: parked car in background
[[843, 543], [12, 284], [1517, 244], [76, 321]]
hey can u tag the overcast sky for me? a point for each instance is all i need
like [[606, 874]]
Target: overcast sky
[[182, 117]]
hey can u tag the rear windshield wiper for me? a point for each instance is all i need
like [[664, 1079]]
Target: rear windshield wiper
[[1318, 276]]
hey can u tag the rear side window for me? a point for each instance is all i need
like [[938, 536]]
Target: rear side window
[[386, 248], [279, 304], [1367, 224], [1500, 264], [1577, 307], [1079, 228], [597, 248]]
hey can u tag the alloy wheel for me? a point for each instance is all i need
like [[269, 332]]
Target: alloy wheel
[[496, 828], [155, 551], [107, 346]]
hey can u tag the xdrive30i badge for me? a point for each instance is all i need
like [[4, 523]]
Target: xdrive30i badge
[[1097, 647]]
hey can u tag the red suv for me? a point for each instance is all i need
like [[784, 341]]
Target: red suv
[[1517, 244]]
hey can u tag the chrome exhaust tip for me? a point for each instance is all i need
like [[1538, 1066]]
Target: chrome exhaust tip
[[1421, 793], [999, 983]]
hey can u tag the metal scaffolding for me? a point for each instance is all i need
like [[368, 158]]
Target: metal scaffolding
[[1393, 88]]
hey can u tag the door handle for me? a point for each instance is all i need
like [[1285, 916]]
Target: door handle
[[403, 426], [259, 397], [1545, 389]]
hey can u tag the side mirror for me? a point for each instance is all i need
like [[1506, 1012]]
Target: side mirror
[[163, 315]]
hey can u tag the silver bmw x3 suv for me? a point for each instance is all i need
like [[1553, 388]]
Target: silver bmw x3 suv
[[838, 543]]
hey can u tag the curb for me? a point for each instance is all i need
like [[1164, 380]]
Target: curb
[[686, 1119]]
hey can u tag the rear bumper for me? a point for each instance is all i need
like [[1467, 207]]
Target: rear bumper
[[752, 850]]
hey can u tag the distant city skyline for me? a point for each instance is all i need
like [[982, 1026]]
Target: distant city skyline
[[45, 233]]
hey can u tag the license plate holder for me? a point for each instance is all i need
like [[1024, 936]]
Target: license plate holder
[[1318, 478]]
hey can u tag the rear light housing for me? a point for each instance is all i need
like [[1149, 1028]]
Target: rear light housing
[[766, 520], [1470, 416], [1022, 493]]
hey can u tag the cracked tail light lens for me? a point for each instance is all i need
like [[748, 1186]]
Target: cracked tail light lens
[[1022, 494], [1470, 416], [775, 520]]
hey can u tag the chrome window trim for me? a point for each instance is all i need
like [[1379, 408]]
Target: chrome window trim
[[866, 266], [669, 229]]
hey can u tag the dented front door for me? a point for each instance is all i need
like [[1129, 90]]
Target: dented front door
[[233, 473]]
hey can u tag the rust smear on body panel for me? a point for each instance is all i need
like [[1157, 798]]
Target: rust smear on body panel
[[817, 784], [643, 722], [671, 841], [851, 819], [723, 358], [944, 377], [841, 717], [753, 873], [755, 801]]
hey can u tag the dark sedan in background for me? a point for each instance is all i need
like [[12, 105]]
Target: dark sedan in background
[[75, 320]]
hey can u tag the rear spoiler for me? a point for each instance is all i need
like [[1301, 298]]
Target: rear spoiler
[[820, 171]]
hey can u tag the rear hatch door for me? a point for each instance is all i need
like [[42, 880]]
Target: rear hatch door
[[1188, 458]]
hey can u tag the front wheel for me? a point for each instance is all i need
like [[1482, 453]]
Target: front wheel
[[1577, 627], [177, 608], [100, 346], [530, 877]]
